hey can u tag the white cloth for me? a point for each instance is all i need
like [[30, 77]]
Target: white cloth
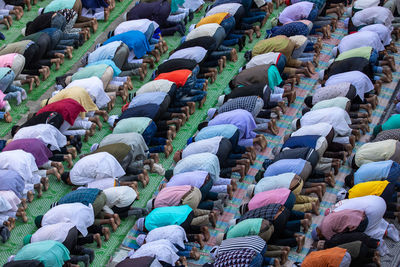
[[56, 232], [4, 205], [120, 196], [358, 79], [12, 199], [155, 86], [362, 4], [373, 15], [21, 162], [384, 32], [162, 249], [204, 30], [197, 53], [274, 182], [210, 145], [337, 117], [267, 58], [174, 233], [135, 25], [94, 87], [361, 39], [321, 129], [374, 208], [296, 12], [95, 13], [193, 4], [95, 167], [102, 184], [49, 134], [78, 214], [230, 8]]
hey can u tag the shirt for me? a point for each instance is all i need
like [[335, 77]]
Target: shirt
[[199, 162], [80, 215], [164, 216], [95, 88], [225, 130], [95, 167], [22, 163], [34, 146], [120, 197], [179, 77], [103, 183], [174, 233], [196, 53], [364, 52], [49, 252], [278, 196], [135, 25], [285, 166], [274, 182], [328, 257], [384, 32], [148, 98], [376, 151], [49, 134], [358, 79], [373, 15], [134, 140], [295, 12], [210, 145], [360, 39], [203, 30], [373, 171], [267, 212], [10, 180], [375, 188], [230, 8], [155, 86], [330, 92], [57, 232], [253, 242], [245, 228], [194, 178], [340, 222], [246, 103], [106, 51], [171, 196], [135, 40], [267, 58], [129, 125], [321, 128], [68, 108], [83, 195], [162, 250], [392, 123], [339, 102], [215, 18], [362, 4]]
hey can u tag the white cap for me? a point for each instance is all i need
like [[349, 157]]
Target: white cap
[[23, 31], [191, 28], [219, 238], [221, 99], [250, 190], [140, 239], [149, 205], [94, 147], [349, 11], [40, 10], [334, 51], [111, 120], [321, 74], [211, 113], [330, 62], [294, 124]]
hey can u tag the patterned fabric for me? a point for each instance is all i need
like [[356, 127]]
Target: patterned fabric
[[85, 196], [237, 258], [247, 103], [254, 242], [290, 29], [388, 134], [267, 212]]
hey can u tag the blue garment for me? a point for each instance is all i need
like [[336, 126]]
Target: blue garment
[[290, 29], [104, 52], [92, 4], [301, 141], [135, 40], [108, 62], [12, 181], [285, 165], [225, 130], [374, 171], [148, 110], [85, 196], [165, 216], [148, 98]]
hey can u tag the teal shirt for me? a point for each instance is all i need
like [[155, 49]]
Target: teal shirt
[[274, 78], [165, 216], [50, 253], [57, 5], [132, 125], [3, 72], [392, 123], [245, 228]]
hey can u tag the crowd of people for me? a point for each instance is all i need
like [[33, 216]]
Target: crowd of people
[[175, 225]]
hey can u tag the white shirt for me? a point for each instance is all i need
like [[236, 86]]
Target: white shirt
[[296, 12], [362, 4], [204, 30], [197, 53], [384, 32], [337, 117], [95, 88], [135, 25], [174, 233], [49, 134], [361, 39], [373, 15], [374, 208], [22, 163], [358, 79], [267, 58], [103, 183], [57, 232], [11, 201], [193, 4], [162, 250], [78, 214], [274, 182], [120, 196], [321, 129], [230, 8], [155, 86], [210, 145], [95, 167]]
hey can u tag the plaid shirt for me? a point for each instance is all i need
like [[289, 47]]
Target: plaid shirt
[[267, 212], [238, 258], [247, 103], [85, 196]]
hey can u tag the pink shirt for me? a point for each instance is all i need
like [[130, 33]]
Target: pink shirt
[[296, 12], [340, 222], [7, 60], [2, 101], [171, 196], [277, 196]]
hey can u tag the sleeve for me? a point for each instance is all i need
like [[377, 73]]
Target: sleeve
[[107, 209]]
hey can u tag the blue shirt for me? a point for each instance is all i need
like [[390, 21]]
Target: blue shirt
[[165, 216], [374, 171], [135, 40], [225, 130], [85, 196], [285, 165], [104, 52], [301, 141], [148, 98]]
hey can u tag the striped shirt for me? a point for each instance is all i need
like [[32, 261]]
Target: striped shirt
[[254, 242]]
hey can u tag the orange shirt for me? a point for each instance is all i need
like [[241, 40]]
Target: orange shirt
[[324, 258], [216, 18], [179, 77]]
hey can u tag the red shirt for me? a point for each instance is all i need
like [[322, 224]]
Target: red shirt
[[68, 108], [179, 77]]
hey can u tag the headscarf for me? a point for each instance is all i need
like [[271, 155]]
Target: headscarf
[[140, 224]]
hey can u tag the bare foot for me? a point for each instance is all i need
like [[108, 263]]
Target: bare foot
[[97, 239], [106, 233]]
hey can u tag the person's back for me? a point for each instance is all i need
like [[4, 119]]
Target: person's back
[[41, 22]]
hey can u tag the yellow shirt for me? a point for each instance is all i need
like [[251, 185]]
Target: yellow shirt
[[215, 18], [376, 151], [368, 188]]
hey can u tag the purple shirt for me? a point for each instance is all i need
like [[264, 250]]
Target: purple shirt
[[296, 12], [195, 178], [34, 146]]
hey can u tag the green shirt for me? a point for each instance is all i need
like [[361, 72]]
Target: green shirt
[[392, 123], [90, 71], [339, 102], [245, 228], [364, 52], [165, 216], [56, 5], [129, 125], [50, 253], [274, 77]]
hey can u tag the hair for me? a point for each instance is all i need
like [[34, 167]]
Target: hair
[[353, 163], [14, 130], [231, 85], [202, 125], [64, 177], [349, 180], [305, 110], [308, 101], [168, 174]]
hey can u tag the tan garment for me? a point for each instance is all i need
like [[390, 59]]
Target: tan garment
[[254, 75], [376, 151], [193, 198], [17, 47]]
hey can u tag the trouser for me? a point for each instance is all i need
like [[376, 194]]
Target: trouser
[[73, 241], [390, 196], [18, 64], [343, 238], [190, 226], [121, 60], [79, 128], [10, 90], [31, 60], [169, 28], [284, 230], [98, 205], [236, 148], [122, 211], [154, 139], [205, 191], [223, 153]]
